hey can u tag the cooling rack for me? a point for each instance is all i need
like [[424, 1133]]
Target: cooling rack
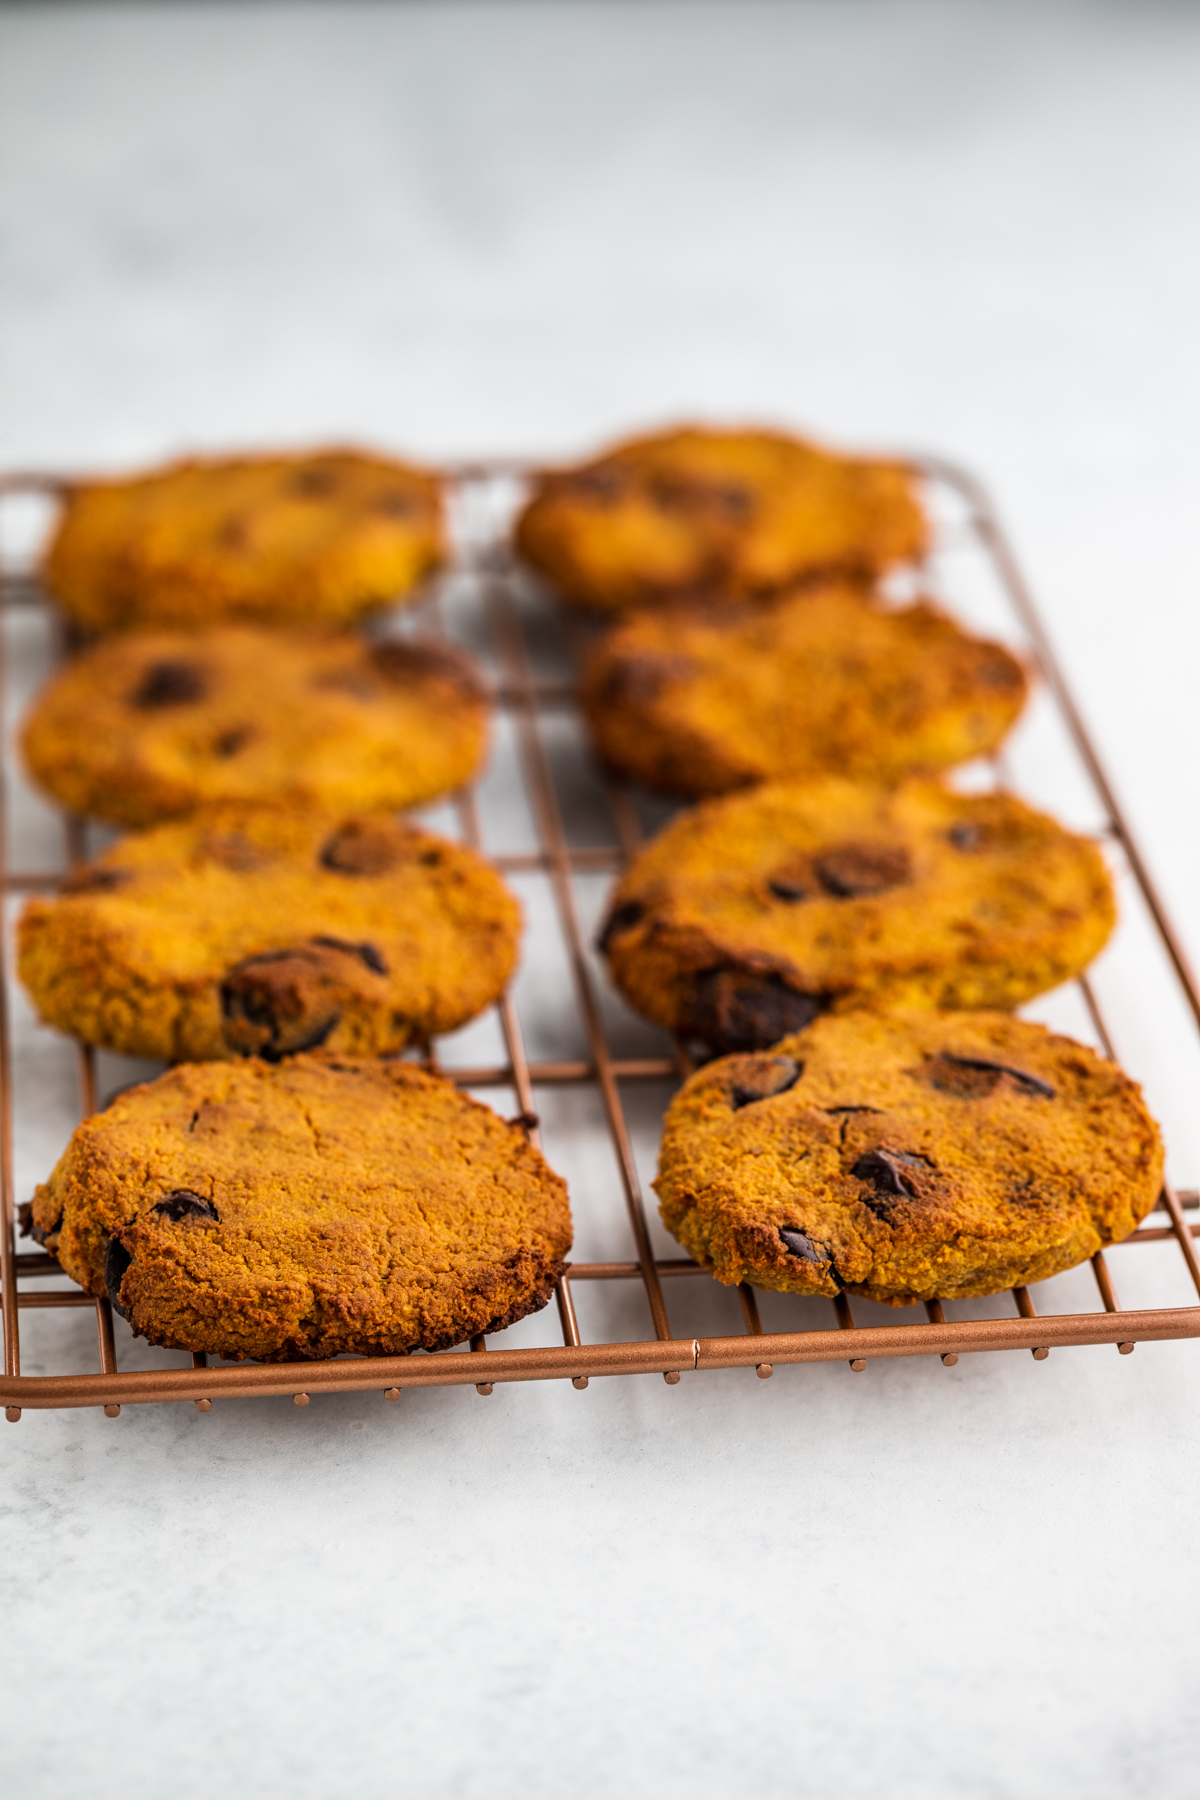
[[488, 601]]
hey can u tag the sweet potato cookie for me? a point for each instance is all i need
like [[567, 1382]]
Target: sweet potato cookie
[[305, 1209], [748, 916], [907, 1157], [819, 682], [253, 932], [154, 725], [309, 539], [734, 514]]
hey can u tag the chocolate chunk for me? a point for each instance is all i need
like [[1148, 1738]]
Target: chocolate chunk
[[965, 836], [228, 743], [602, 486], [116, 1260], [366, 953], [754, 1078], [314, 482], [409, 663], [235, 852], [38, 1233], [851, 870], [622, 918], [172, 682], [789, 890], [282, 1002], [96, 881], [675, 495], [181, 1203], [798, 1243], [738, 1009], [999, 670], [886, 1171], [395, 505], [638, 680], [851, 1109], [678, 494], [359, 683], [974, 1077], [735, 502], [363, 847]]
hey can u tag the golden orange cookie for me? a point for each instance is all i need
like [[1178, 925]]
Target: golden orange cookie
[[749, 915], [734, 515], [154, 725], [907, 1157], [309, 539], [820, 682], [310, 1208], [252, 931]]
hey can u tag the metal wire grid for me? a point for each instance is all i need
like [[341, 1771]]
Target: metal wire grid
[[529, 702]]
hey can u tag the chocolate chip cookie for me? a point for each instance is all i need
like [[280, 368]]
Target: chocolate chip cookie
[[305, 1209], [303, 539], [732, 514], [154, 725], [907, 1157], [822, 681], [748, 916], [262, 932]]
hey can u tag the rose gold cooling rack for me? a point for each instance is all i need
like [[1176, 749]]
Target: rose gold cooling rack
[[511, 627]]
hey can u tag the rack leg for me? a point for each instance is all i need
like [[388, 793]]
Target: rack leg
[[935, 1315], [479, 1346], [845, 1319], [1027, 1310], [754, 1328]]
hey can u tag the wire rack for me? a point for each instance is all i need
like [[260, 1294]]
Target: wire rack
[[506, 623]]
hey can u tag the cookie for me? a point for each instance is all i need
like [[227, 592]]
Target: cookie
[[153, 726], [748, 916], [820, 682], [312, 1208], [732, 514], [305, 539], [907, 1157], [264, 932]]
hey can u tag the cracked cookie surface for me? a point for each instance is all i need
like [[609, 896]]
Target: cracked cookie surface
[[820, 682], [265, 932], [749, 915], [907, 1157], [305, 1209], [157, 724], [733, 514], [317, 538]]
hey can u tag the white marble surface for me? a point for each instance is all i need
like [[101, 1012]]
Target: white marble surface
[[463, 228]]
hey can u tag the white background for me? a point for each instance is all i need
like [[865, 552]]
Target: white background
[[460, 228]]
